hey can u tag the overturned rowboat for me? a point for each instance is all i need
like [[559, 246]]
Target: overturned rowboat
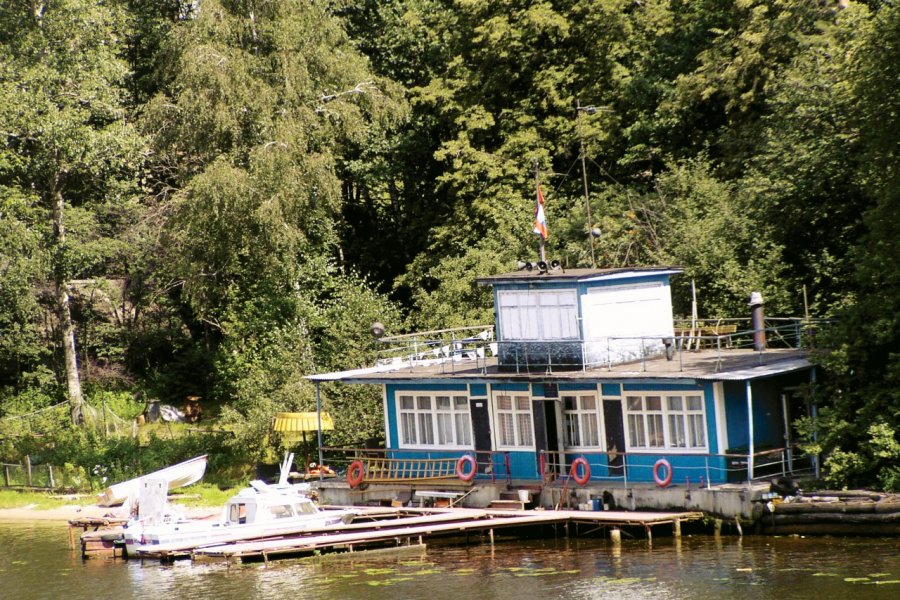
[[176, 476]]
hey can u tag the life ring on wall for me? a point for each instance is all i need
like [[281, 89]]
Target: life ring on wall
[[586, 468], [461, 472], [355, 473], [659, 479]]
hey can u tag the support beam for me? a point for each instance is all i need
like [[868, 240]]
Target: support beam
[[615, 535], [319, 431], [750, 448]]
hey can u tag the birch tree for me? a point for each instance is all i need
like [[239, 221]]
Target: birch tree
[[64, 132]]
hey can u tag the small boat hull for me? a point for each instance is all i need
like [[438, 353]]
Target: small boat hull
[[180, 475]]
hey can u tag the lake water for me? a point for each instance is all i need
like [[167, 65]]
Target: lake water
[[35, 562]]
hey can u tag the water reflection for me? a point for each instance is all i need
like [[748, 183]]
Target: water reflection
[[35, 563]]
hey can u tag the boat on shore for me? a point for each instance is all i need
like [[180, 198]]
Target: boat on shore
[[258, 511], [176, 476]]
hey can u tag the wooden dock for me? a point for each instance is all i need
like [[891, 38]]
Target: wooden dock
[[399, 527]]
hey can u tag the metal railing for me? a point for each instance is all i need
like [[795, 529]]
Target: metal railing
[[411, 466], [708, 470], [449, 348]]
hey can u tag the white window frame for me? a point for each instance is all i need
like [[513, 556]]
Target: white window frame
[[657, 416], [578, 416], [518, 416], [538, 315], [420, 418]]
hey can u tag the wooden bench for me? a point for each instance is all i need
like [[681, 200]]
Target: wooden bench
[[703, 334]]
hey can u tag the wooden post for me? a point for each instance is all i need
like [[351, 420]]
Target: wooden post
[[50, 472], [6, 475], [491, 535], [717, 527], [649, 534], [737, 523], [676, 528], [28, 470], [615, 535]]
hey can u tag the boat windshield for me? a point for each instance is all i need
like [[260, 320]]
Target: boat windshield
[[305, 508], [281, 511]]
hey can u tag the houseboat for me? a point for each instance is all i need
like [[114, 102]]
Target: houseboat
[[587, 380]]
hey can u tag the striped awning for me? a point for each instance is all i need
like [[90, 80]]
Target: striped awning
[[301, 422]]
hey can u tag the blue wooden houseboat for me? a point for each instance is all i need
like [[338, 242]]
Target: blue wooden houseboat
[[586, 377]]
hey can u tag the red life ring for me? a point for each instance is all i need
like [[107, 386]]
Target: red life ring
[[586, 468], [659, 479], [461, 468], [356, 473]]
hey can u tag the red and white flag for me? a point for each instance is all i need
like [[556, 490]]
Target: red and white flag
[[540, 220]]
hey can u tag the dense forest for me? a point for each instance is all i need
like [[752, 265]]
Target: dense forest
[[218, 197]]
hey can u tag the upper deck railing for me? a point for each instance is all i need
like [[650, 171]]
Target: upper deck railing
[[450, 350]]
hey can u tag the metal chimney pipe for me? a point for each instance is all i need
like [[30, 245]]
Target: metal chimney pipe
[[757, 321]]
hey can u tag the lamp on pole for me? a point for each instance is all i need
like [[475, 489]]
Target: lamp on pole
[[587, 202]]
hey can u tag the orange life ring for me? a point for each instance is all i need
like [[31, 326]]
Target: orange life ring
[[659, 479], [574, 471], [461, 468], [355, 473]]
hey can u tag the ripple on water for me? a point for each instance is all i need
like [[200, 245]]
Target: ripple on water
[[35, 563]]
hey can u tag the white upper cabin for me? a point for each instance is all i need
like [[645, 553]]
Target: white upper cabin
[[582, 317]]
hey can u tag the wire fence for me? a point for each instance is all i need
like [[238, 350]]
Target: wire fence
[[28, 476]]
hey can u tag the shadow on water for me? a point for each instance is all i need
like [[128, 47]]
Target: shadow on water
[[35, 562]]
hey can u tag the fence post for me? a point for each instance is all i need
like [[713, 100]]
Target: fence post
[[50, 472], [6, 475], [28, 470]]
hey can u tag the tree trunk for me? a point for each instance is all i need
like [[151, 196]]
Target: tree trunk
[[67, 329]]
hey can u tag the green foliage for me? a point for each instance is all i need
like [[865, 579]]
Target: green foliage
[[877, 454], [291, 162]]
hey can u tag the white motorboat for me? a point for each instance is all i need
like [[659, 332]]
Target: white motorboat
[[260, 510]]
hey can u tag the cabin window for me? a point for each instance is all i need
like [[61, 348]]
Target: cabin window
[[437, 420], [282, 511], [582, 421], [670, 421], [237, 513], [514, 425], [538, 315]]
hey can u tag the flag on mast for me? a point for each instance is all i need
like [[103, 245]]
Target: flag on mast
[[540, 220]]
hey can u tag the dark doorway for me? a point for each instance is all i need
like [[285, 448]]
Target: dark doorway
[[481, 429], [614, 427], [551, 439]]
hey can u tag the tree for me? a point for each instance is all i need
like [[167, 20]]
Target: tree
[[861, 423], [65, 115], [264, 115]]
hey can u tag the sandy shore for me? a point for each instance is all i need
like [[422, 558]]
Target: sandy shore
[[61, 513], [69, 512]]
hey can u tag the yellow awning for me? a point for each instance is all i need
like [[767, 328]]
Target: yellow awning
[[301, 422]]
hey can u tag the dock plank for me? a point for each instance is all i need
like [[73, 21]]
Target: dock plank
[[491, 520]]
